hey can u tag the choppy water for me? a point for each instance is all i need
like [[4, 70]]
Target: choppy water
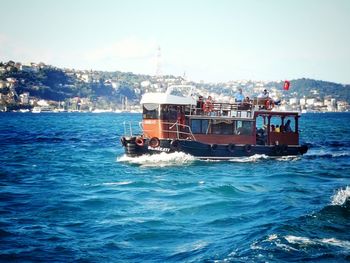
[[67, 193]]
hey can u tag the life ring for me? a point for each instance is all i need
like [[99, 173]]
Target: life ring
[[139, 141], [248, 148], [123, 141], [174, 144], [269, 104], [154, 142], [213, 147], [208, 106], [231, 147]]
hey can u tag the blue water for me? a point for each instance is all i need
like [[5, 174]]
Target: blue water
[[67, 194]]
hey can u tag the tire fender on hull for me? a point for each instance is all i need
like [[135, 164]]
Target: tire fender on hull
[[281, 149], [174, 145], [154, 142], [213, 147], [231, 147], [247, 148]]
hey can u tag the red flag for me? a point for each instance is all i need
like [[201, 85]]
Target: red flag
[[286, 85]]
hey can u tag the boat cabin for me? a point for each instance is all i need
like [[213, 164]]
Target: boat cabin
[[168, 116]]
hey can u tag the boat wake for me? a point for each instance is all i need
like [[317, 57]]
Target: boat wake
[[179, 158], [333, 149], [159, 160], [250, 159]]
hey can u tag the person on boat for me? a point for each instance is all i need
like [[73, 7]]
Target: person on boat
[[239, 97], [180, 116], [272, 128], [246, 104], [264, 95], [208, 105], [264, 98], [181, 121], [287, 127], [199, 106], [277, 129]]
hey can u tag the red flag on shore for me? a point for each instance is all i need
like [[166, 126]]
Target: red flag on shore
[[286, 85]]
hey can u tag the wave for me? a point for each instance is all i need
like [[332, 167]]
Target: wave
[[250, 159], [341, 196], [305, 241], [323, 153], [297, 243], [318, 235], [159, 160]]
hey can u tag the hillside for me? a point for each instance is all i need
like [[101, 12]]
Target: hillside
[[51, 83]]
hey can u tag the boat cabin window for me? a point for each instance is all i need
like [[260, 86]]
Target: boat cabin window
[[168, 112], [222, 127], [199, 126], [225, 127], [150, 111], [171, 113], [244, 128], [288, 124]]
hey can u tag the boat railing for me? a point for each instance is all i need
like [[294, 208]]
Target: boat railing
[[131, 128], [180, 131], [240, 110]]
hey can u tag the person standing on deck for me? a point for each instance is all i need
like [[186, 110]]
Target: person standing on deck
[[239, 97]]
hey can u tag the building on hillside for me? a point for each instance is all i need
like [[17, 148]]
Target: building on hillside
[[24, 97], [293, 101]]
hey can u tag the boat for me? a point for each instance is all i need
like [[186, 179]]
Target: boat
[[36, 110], [42, 109], [177, 122]]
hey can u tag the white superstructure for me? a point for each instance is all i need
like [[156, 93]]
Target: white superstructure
[[169, 98]]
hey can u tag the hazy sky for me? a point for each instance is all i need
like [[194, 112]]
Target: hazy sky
[[210, 40]]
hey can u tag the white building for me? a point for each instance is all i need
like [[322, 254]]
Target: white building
[[310, 101], [24, 97], [43, 103], [293, 101]]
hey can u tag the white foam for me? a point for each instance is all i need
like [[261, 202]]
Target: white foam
[[272, 237], [159, 160], [288, 158], [336, 242], [250, 159], [340, 197], [299, 240], [324, 241], [118, 183], [327, 153]]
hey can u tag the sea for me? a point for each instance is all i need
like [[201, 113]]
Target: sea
[[69, 194]]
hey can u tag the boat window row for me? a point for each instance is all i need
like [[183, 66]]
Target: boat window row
[[222, 127], [164, 112]]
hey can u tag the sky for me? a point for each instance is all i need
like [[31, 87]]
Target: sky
[[209, 40]]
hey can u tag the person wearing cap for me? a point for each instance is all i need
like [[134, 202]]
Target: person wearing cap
[[264, 94], [239, 97]]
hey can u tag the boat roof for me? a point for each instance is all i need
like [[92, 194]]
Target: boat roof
[[168, 98], [276, 113]]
